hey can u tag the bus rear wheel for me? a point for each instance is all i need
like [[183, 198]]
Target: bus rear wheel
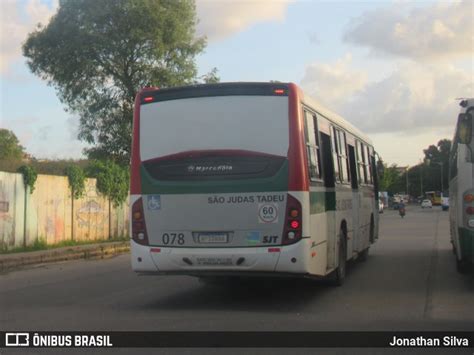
[[363, 255], [339, 275], [462, 266]]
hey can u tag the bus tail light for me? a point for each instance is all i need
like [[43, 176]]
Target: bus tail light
[[292, 231], [139, 234], [468, 198], [468, 207]]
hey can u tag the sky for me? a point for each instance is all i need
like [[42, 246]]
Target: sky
[[392, 68]]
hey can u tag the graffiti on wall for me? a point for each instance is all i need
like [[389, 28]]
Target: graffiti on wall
[[54, 222], [90, 212], [48, 212], [4, 204], [7, 211]]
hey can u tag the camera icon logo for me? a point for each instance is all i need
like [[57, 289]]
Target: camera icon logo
[[17, 339]]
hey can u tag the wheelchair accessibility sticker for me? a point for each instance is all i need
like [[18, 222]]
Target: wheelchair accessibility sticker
[[154, 202]]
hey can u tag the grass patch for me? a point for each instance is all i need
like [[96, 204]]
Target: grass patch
[[40, 244]]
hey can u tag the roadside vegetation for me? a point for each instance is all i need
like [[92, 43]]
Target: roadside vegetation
[[40, 244]]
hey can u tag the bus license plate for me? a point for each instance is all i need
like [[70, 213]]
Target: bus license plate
[[213, 238]]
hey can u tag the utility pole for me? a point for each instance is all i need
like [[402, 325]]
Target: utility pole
[[407, 181], [442, 187], [421, 181]]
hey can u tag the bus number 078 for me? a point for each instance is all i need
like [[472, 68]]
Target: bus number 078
[[173, 238]]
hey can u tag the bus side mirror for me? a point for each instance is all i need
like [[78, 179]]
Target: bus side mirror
[[464, 128]]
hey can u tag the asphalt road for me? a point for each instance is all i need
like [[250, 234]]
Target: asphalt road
[[408, 283]]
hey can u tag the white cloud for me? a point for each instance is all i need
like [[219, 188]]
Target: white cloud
[[17, 20], [330, 83], [437, 31], [404, 149], [412, 99], [221, 19]]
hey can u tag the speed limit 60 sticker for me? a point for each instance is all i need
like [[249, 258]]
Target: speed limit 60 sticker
[[267, 213]]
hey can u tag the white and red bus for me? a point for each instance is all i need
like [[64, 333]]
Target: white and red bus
[[248, 179], [461, 189]]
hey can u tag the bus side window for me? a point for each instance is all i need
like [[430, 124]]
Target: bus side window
[[328, 164], [361, 163], [373, 164], [369, 166], [312, 146], [337, 176], [343, 158], [353, 167]]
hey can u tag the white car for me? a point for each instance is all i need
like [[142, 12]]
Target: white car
[[426, 204], [380, 206]]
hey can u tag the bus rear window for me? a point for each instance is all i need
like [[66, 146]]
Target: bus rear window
[[251, 123]]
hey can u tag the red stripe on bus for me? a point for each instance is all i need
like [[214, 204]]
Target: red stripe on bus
[[273, 250], [298, 179], [135, 183], [155, 250]]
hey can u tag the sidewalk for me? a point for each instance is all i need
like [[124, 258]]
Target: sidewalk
[[14, 261]]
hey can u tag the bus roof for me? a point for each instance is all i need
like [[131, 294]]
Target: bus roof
[[217, 89]]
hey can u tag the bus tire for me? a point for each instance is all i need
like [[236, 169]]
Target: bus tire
[[363, 255], [462, 266], [372, 230], [338, 276]]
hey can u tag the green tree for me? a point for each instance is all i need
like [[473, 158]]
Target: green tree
[[390, 179], [437, 162], [98, 54], [77, 183], [210, 78], [10, 148], [112, 180]]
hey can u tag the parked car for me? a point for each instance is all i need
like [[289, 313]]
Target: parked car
[[380, 206], [426, 204]]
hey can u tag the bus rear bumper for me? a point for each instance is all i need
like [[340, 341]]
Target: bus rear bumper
[[466, 245], [230, 261], [234, 273]]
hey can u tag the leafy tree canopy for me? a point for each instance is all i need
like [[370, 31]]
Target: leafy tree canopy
[[10, 147], [438, 153], [437, 161], [390, 179], [98, 54], [77, 180], [112, 180], [29, 176]]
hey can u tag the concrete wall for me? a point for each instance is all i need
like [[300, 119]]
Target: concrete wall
[[52, 215]]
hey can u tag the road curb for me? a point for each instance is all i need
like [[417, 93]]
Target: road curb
[[10, 262]]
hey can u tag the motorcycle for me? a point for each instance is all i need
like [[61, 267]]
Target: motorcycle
[[401, 211]]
